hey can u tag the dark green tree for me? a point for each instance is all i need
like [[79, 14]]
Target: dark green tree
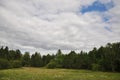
[[36, 60], [26, 59], [47, 58], [57, 62]]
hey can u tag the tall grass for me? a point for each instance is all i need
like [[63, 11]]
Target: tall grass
[[55, 74]]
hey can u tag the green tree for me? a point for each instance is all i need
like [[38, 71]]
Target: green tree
[[26, 59], [57, 62], [4, 64], [69, 60], [36, 60], [47, 58], [18, 55]]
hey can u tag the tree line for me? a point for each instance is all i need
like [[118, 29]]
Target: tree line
[[105, 58]]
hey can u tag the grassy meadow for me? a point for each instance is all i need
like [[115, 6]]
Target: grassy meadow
[[29, 73]]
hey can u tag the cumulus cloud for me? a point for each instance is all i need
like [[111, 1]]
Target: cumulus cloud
[[46, 25]]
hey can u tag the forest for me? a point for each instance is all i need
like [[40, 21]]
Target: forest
[[104, 58]]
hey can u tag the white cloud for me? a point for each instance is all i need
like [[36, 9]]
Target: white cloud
[[57, 24], [105, 1]]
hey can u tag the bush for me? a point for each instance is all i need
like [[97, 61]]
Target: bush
[[5, 64], [51, 65], [16, 64], [95, 67]]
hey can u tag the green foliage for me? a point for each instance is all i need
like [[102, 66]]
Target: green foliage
[[95, 67], [57, 62], [69, 60], [51, 65], [36, 60], [47, 58], [16, 64], [105, 58], [10, 58], [4, 64], [26, 59], [18, 55]]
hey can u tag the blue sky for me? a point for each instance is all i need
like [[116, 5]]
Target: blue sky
[[108, 28], [97, 6], [49, 25]]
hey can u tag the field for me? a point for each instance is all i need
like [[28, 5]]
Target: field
[[55, 74]]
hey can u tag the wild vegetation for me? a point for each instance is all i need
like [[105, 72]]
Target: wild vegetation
[[28, 73], [105, 58]]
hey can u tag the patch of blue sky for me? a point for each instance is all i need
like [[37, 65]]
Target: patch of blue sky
[[106, 18], [97, 6], [108, 28]]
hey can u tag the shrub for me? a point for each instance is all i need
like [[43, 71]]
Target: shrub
[[4, 64], [51, 65], [16, 64], [95, 67]]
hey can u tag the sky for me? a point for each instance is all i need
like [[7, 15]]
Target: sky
[[48, 25]]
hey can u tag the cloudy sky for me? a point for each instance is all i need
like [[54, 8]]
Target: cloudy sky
[[49, 25]]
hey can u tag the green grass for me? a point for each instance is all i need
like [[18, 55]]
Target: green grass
[[55, 74]]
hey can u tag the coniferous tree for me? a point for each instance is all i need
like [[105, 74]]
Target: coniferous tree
[[26, 59], [36, 60]]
